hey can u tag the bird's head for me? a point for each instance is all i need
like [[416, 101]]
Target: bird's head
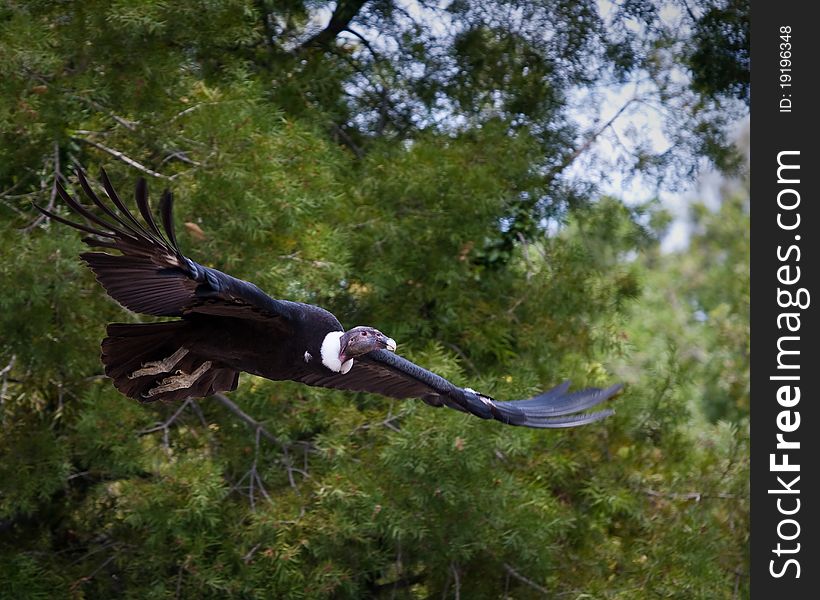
[[361, 340]]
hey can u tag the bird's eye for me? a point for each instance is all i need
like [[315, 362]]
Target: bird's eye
[[364, 334]]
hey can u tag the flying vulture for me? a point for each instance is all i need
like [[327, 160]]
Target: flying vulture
[[225, 326]]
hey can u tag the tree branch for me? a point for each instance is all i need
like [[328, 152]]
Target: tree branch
[[363, 40], [696, 496], [181, 157], [343, 136], [245, 417], [8, 193], [259, 430], [398, 584], [165, 425], [4, 375], [390, 422], [129, 125], [122, 156], [86, 578], [454, 569], [689, 10], [52, 197], [344, 13], [463, 357], [570, 158], [267, 22], [253, 473], [512, 572]]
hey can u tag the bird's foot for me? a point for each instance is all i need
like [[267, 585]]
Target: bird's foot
[[156, 367], [179, 381]]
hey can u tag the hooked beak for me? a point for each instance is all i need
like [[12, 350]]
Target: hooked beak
[[390, 344]]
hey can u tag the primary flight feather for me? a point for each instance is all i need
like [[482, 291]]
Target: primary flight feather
[[226, 326]]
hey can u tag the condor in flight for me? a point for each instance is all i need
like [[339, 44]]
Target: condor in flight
[[226, 325]]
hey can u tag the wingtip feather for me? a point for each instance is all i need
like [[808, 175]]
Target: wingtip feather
[[141, 198], [551, 409], [569, 420], [166, 208]]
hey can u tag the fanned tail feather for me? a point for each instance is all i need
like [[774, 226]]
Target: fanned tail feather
[[131, 353]]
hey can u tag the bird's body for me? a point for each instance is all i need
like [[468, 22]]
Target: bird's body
[[225, 326]]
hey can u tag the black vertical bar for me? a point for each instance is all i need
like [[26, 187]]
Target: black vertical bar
[[784, 256]]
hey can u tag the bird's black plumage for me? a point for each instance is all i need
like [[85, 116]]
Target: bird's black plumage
[[226, 325]]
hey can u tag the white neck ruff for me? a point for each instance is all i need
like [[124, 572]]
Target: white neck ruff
[[331, 348]]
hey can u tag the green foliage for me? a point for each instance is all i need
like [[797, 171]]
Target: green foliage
[[720, 59], [418, 186], [699, 299]]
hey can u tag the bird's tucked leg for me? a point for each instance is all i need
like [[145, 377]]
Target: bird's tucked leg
[[179, 381], [156, 367]]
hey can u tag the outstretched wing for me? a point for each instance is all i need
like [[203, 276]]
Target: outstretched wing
[[388, 374], [151, 275]]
